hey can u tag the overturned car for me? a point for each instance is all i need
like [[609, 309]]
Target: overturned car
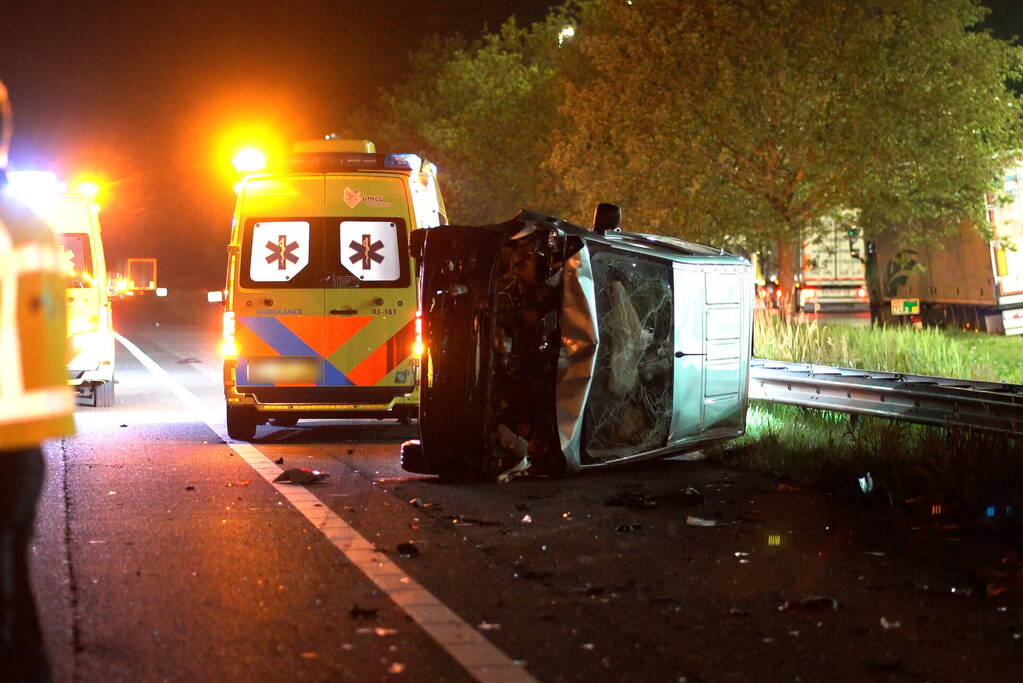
[[551, 349]]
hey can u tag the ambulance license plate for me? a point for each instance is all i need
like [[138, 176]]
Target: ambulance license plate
[[284, 370]]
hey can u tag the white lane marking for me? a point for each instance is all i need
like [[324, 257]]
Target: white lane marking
[[480, 658]]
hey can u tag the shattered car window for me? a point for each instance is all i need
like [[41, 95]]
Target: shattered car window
[[630, 404]]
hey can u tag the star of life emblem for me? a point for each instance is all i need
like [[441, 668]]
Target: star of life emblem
[[280, 250], [369, 250]]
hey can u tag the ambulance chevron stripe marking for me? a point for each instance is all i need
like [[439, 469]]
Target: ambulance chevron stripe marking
[[338, 331], [278, 336], [250, 343], [308, 328], [284, 342], [385, 357]]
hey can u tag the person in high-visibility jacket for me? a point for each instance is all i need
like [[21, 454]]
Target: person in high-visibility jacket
[[35, 404]]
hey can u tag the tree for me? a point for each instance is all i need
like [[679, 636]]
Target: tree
[[745, 121], [483, 111]]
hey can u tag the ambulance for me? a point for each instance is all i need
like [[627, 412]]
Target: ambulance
[[74, 217], [320, 302]]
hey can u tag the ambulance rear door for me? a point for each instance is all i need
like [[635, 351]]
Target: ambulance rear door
[[279, 301], [370, 301]]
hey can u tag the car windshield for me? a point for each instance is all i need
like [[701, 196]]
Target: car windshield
[[630, 404]]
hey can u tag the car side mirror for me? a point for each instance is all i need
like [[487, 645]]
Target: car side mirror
[[216, 297], [607, 218], [416, 242]]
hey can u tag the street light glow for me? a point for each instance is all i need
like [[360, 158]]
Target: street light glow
[[566, 33]]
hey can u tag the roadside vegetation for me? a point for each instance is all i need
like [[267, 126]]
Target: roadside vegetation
[[968, 475], [927, 351]]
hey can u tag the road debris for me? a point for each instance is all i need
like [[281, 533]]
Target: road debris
[[889, 625], [628, 528], [635, 500], [360, 613], [246, 482], [189, 488], [526, 519], [419, 503], [486, 626], [279, 461], [813, 603], [471, 521], [380, 631], [300, 475], [700, 521], [408, 550]]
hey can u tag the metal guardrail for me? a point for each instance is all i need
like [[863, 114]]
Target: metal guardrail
[[941, 401]]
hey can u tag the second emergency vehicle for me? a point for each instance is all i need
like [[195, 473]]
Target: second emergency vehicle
[[74, 217], [320, 301]]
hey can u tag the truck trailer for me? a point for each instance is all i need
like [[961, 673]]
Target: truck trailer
[[968, 280]]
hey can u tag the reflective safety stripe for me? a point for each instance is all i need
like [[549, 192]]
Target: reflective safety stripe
[[36, 404], [16, 404], [38, 258]]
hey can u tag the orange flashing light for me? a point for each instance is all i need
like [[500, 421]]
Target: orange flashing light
[[228, 346], [249, 160], [417, 346]]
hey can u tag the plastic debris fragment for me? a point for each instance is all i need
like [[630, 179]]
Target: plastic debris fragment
[[300, 475], [360, 613], [699, 521], [889, 625], [408, 550]]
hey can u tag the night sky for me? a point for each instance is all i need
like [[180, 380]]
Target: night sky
[[141, 93]]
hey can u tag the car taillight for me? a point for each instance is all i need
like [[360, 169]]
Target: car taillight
[[228, 347]]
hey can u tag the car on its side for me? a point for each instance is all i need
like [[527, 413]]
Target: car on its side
[[550, 348]]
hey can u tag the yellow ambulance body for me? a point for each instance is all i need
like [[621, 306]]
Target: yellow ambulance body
[[75, 220], [320, 302]]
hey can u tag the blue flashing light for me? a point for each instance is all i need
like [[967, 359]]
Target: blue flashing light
[[991, 511], [410, 162]]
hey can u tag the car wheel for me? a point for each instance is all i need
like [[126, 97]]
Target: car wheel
[[103, 394], [241, 423]]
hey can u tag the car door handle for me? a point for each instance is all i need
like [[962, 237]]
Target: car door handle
[[343, 311]]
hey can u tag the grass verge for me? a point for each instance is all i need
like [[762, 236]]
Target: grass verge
[[952, 473]]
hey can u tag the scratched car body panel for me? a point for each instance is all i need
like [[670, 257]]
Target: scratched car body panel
[[550, 348]]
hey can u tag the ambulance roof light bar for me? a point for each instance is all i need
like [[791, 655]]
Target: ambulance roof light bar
[[34, 185], [326, 162]]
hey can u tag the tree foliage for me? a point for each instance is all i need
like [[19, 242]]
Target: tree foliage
[[735, 121], [483, 111], [748, 119]]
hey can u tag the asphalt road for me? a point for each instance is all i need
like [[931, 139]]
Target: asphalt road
[[164, 553]]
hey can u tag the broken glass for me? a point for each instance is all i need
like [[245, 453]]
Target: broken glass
[[630, 403]]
